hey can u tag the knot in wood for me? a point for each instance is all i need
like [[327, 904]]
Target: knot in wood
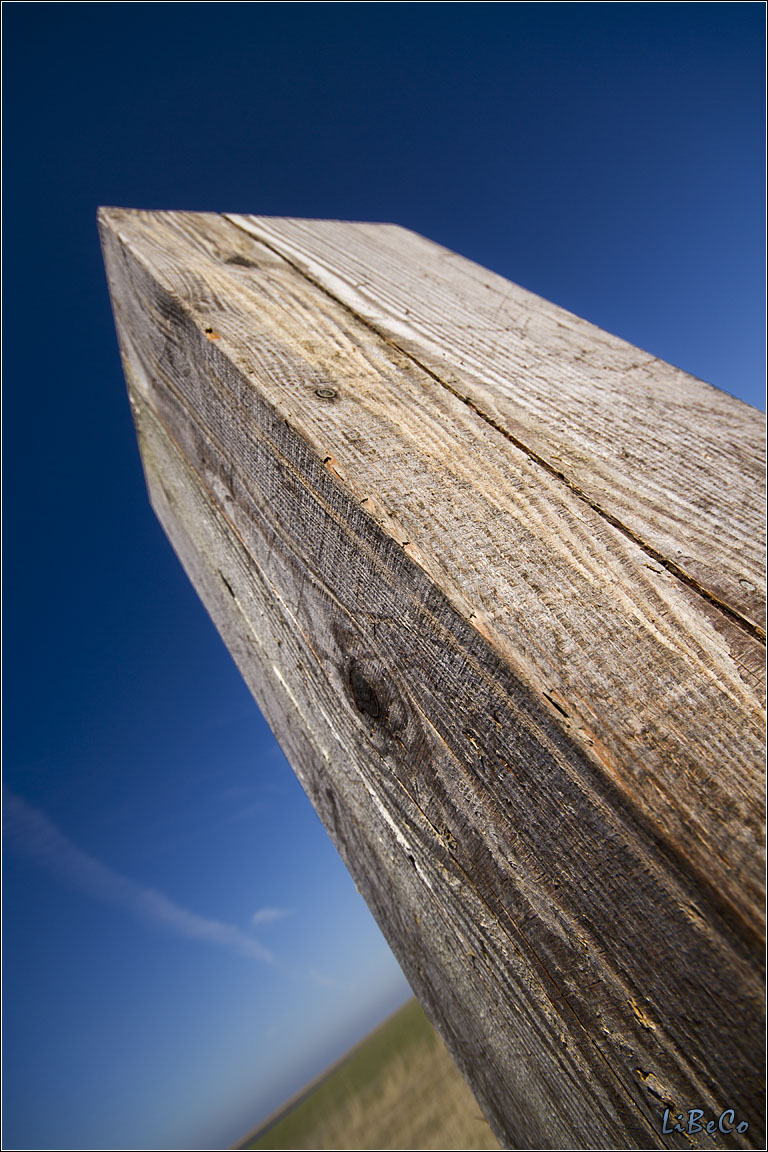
[[241, 261], [363, 693], [326, 393]]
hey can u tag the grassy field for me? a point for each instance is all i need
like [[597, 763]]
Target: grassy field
[[399, 1088]]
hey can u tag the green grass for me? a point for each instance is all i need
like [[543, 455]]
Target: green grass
[[398, 1089]]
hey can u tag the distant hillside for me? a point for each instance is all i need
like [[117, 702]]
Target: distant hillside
[[399, 1088]]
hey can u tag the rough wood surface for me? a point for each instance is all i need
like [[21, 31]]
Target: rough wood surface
[[533, 734], [676, 464]]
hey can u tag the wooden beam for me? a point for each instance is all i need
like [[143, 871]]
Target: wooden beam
[[495, 580], [667, 459]]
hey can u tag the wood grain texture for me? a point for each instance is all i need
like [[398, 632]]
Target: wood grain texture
[[538, 750], [676, 463]]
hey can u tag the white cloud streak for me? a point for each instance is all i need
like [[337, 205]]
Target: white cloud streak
[[31, 835], [269, 915]]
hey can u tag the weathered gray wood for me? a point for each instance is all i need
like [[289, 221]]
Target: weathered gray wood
[[677, 464], [538, 748]]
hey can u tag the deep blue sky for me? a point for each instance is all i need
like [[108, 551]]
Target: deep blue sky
[[607, 156]]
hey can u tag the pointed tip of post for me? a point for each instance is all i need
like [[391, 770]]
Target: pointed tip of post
[[106, 214], [115, 221], [107, 217], [105, 211]]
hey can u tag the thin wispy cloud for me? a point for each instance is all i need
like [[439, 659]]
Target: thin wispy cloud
[[269, 915], [32, 835]]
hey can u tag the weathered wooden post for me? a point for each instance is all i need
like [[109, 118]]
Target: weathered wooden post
[[495, 579]]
